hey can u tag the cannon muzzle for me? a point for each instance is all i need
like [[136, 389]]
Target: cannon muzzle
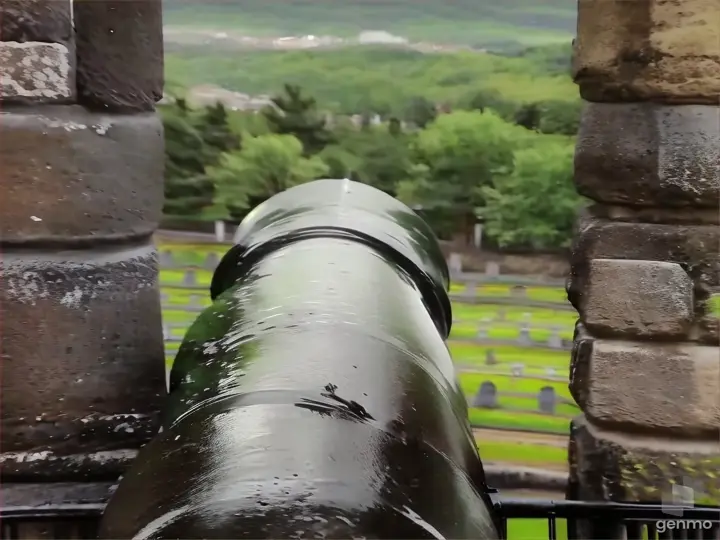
[[315, 397]]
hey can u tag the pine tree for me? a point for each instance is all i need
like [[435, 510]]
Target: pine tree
[[295, 114], [187, 189]]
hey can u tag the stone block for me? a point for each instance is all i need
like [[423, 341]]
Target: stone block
[[120, 53], [82, 355], [649, 154], [36, 20], [35, 72], [648, 50], [696, 247], [98, 176], [641, 299], [608, 465], [648, 387]]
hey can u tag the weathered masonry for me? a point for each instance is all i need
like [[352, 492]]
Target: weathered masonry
[[645, 263], [81, 157]]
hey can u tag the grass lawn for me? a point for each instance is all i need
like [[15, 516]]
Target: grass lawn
[[521, 453], [498, 330], [470, 382], [497, 418], [474, 355], [535, 529], [463, 312], [540, 294]]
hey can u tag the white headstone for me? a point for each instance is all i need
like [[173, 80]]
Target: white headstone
[[492, 269], [455, 263], [220, 231]]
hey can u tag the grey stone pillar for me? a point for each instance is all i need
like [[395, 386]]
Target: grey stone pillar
[[645, 262], [81, 172]]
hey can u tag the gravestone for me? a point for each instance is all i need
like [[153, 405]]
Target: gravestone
[[516, 370], [490, 358], [527, 317], [189, 278], [500, 315], [195, 300], [167, 332], [220, 231], [164, 298], [211, 261], [492, 269], [166, 259], [554, 340], [524, 335], [455, 263], [470, 288], [551, 372], [482, 332], [547, 400], [518, 291], [486, 397]]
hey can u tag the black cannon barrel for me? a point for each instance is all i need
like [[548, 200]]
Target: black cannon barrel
[[315, 398]]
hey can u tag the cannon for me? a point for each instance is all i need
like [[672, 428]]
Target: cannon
[[315, 397]]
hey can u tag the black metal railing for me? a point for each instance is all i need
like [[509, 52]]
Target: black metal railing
[[564, 519], [607, 520]]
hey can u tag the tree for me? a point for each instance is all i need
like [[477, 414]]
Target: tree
[[296, 114], [560, 117], [420, 111], [528, 116], [187, 189], [460, 152], [374, 156], [536, 204], [213, 124], [265, 166]]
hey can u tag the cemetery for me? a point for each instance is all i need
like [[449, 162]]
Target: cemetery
[[511, 340]]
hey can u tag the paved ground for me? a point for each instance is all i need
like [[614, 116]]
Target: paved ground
[[547, 439]]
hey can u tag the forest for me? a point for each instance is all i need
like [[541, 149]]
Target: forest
[[508, 164], [384, 80]]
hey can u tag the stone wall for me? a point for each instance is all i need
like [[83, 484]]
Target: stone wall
[[81, 157], [646, 364]]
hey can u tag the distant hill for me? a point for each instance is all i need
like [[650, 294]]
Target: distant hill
[[498, 24]]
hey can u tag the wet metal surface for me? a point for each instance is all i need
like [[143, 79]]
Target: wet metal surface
[[315, 398]]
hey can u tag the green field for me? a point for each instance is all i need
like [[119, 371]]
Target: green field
[[526, 453], [519, 421]]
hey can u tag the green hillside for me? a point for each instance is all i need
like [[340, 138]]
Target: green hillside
[[481, 23], [381, 79]]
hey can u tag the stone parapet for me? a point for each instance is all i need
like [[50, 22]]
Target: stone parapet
[[120, 54], [35, 72], [83, 358], [645, 262], [83, 375], [646, 154], [617, 466], [651, 388], [694, 247], [99, 176], [648, 50], [641, 299], [47, 21]]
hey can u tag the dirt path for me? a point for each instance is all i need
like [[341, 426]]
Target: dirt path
[[547, 439]]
